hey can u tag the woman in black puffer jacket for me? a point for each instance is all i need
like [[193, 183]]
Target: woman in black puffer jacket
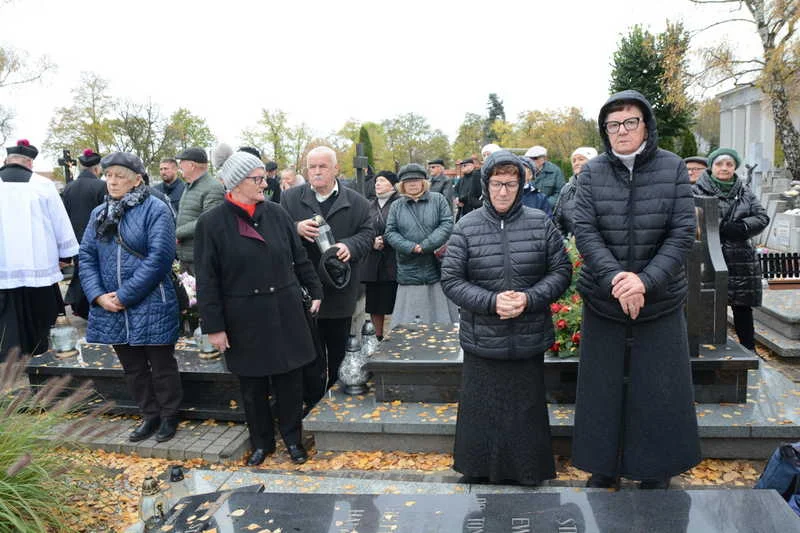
[[505, 265], [634, 226], [741, 217]]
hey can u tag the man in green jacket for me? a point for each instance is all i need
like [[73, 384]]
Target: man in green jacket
[[548, 178], [202, 193]]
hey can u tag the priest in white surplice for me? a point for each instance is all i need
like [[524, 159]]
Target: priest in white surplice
[[35, 233]]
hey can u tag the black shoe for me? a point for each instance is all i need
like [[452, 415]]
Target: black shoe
[[145, 429], [169, 425], [297, 453], [654, 484], [473, 480], [599, 481], [258, 456]]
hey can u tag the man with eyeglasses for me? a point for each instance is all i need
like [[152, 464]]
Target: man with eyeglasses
[[201, 194], [548, 178], [634, 226], [696, 165]]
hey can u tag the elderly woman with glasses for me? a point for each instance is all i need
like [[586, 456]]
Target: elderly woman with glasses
[[126, 256], [505, 265], [250, 267], [741, 217]]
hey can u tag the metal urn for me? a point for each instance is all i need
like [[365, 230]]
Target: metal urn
[[63, 335], [351, 372], [369, 342]]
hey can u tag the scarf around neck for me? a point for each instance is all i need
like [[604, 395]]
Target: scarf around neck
[[108, 219]]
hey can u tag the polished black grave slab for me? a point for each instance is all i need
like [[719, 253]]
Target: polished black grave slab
[[421, 363], [567, 511], [209, 390]]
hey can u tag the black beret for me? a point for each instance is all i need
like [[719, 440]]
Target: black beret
[[198, 155], [436, 162], [388, 174], [124, 159], [411, 171], [270, 166], [89, 158], [23, 148]]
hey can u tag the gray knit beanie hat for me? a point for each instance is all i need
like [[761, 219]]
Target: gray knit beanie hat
[[237, 167]]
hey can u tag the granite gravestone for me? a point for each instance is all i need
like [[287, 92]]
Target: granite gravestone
[[568, 511]]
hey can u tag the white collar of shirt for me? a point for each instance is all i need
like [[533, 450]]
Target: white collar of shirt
[[321, 198]]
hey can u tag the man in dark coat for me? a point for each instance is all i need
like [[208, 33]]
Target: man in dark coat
[[347, 214], [440, 182], [171, 184], [80, 197], [634, 226], [468, 191]]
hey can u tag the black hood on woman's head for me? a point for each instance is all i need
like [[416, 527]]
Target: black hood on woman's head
[[501, 157], [638, 99]]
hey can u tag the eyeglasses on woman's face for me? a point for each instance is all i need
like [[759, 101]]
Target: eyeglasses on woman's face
[[509, 186], [258, 180], [631, 124]]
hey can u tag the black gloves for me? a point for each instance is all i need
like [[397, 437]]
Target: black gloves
[[735, 230]]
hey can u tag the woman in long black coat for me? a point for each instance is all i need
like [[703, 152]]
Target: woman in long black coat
[[741, 217], [505, 265], [634, 226], [379, 271], [250, 264]]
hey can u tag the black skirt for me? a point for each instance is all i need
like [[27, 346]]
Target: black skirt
[[380, 297], [26, 315], [503, 427]]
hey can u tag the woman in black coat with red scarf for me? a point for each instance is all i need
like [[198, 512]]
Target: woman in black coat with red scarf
[[250, 264]]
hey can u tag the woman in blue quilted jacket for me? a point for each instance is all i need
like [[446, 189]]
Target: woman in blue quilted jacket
[[126, 256]]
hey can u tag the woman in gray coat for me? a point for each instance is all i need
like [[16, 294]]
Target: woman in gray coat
[[505, 265], [419, 223]]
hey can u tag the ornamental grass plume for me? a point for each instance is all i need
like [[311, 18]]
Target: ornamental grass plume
[[567, 311], [39, 491]]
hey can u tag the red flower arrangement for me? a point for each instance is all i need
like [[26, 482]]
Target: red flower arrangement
[[567, 311]]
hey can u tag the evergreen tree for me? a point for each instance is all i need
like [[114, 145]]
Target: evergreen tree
[[495, 112], [655, 65], [363, 138], [688, 144]]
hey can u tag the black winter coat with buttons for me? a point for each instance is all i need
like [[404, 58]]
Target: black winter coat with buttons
[[489, 253], [741, 206], [350, 222], [247, 272], [640, 220]]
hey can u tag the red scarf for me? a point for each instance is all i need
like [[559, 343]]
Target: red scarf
[[250, 209]]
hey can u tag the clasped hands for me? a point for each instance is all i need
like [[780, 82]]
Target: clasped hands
[[628, 288], [110, 302], [510, 304]]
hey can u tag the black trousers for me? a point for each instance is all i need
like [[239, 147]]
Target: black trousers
[[333, 333], [26, 315], [287, 389], [153, 379], [743, 324]]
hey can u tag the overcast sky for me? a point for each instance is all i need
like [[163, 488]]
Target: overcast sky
[[325, 62]]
